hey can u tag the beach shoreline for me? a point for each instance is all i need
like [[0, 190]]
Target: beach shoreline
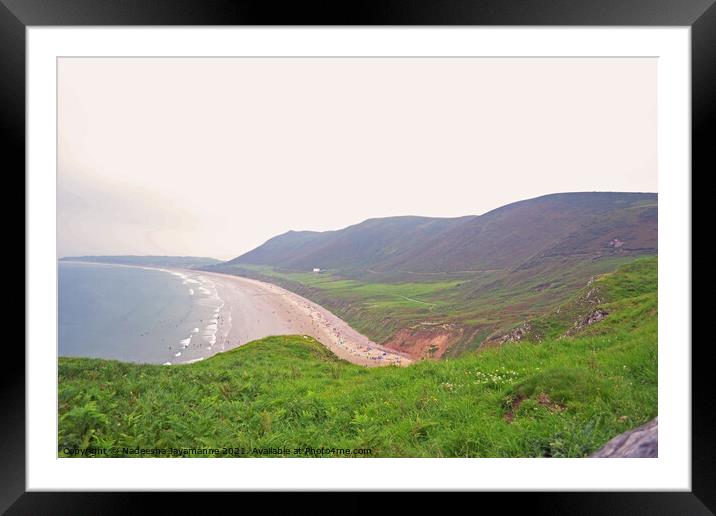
[[255, 309], [250, 310]]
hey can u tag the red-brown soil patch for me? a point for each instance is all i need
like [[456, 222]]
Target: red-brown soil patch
[[425, 341]]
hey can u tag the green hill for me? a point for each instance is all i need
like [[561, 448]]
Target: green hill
[[434, 287], [564, 393], [523, 234]]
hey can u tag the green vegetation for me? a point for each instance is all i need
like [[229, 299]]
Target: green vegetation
[[464, 281], [481, 303], [629, 296], [564, 396]]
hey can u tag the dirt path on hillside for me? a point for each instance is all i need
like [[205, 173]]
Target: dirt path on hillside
[[254, 309]]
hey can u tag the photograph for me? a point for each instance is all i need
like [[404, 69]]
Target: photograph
[[357, 257]]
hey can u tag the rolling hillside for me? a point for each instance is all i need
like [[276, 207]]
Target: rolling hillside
[[439, 287], [519, 234]]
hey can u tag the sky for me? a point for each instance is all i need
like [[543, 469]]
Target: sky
[[214, 156]]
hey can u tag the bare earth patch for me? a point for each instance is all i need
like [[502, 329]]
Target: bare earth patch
[[542, 399], [425, 341]]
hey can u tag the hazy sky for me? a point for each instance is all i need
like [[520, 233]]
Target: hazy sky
[[211, 157]]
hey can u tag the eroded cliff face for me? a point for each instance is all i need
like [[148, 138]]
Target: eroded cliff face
[[426, 340]]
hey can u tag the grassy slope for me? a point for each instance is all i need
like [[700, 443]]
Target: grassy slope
[[483, 303], [564, 397], [430, 286]]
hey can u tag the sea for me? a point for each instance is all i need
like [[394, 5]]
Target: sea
[[135, 314]]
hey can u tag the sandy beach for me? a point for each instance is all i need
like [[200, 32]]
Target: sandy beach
[[253, 310]]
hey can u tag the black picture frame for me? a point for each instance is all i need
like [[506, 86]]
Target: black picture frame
[[16, 15]]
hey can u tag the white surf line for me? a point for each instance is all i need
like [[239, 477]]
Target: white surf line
[[221, 312], [209, 335]]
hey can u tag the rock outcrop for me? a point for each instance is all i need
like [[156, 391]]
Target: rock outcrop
[[642, 442], [594, 317], [516, 335]]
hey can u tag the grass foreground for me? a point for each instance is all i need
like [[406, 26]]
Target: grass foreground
[[563, 395]]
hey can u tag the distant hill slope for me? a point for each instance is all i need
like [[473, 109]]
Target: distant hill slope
[[147, 261], [521, 234]]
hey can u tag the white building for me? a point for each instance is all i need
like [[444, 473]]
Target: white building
[[316, 269]]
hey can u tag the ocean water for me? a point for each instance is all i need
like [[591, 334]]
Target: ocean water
[[136, 314]]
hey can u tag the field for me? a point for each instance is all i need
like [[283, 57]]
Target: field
[[562, 391]]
